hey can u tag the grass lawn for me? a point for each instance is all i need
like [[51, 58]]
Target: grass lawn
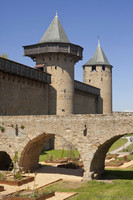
[[94, 190], [58, 154], [118, 144], [129, 148], [121, 186]]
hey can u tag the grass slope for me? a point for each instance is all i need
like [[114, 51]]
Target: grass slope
[[118, 144], [94, 190]]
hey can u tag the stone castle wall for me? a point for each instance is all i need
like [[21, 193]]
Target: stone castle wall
[[85, 103], [22, 96]]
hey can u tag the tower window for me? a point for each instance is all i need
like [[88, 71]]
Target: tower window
[[55, 67], [103, 68], [89, 80], [93, 68]]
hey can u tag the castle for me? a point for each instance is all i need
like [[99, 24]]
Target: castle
[[50, 88]]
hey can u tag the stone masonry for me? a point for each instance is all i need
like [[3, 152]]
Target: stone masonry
[[91, 134]]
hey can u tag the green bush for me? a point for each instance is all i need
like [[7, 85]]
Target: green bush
[[2, 129]]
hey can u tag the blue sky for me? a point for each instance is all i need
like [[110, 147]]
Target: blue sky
[[24, 22]]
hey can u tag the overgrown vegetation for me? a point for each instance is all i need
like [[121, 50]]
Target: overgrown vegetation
[[22, 126], [2, 129], [4, 55]]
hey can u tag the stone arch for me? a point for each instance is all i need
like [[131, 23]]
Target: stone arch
[[98, 162], [30, 155], [5, 161]]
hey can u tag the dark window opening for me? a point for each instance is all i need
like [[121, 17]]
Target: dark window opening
[[55, 67], [93, 68], [89, 80], [103, 68], [40, 68], [63, 110]]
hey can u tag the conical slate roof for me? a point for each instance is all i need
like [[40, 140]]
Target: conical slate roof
[[99, 58], [55, 33]]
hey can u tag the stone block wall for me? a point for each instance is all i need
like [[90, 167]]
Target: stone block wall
[[22, 96], [85, 103]]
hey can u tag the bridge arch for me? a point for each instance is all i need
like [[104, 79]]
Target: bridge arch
[[98, 162], [29, 159], [5, 161]]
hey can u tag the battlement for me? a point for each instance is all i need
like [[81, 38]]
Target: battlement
[[86, 88], [18, 69]]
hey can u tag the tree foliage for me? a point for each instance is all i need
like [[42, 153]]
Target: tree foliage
[[3, 55]]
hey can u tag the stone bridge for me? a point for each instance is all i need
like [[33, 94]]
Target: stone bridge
[[91, 134]]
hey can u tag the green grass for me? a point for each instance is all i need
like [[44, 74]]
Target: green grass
[[130, 156], [130, 134], [118, 144], [94, 190], [58, 154], [129, 148]]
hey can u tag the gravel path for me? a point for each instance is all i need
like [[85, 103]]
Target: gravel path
[[122, 147]]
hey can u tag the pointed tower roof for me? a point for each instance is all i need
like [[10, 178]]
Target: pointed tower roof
[[55, 32], [99, 58]]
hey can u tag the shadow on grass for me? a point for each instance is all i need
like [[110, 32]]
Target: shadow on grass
[[43, 153], [48, 169], [118, 174]]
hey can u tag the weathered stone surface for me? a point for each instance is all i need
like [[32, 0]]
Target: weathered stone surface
[[101, 131]]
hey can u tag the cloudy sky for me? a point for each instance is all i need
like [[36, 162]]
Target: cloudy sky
[[24, 22]]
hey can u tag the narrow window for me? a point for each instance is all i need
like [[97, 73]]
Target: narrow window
[[85, 131], [93, 68], [55, 67], [101, 79], [63, 110], [16, 130], [103, 68], [89, 80]]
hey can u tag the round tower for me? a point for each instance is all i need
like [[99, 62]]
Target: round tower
[[97, 72], [54, 54]]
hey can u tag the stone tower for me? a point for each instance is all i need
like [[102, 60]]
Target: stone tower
[[97, 72], [56, 55]]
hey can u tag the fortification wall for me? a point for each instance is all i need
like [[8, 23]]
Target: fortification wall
[[22, 96], [85, 103]]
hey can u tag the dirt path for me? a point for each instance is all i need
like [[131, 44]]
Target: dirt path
[[47, 175]]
